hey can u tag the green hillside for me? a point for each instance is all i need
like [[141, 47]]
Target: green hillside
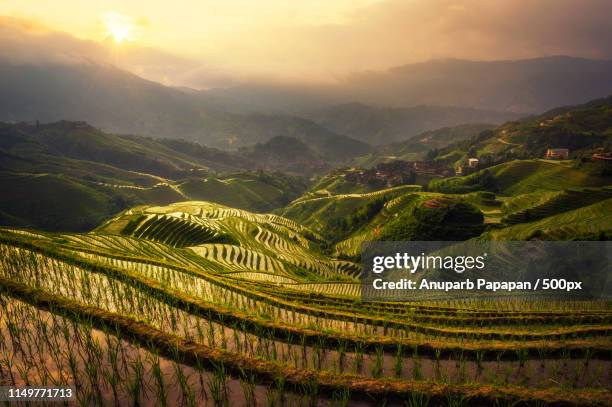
[[71, 176], [439, 218], [581, 129], [80, 141], [335, 183], [62, 145], [57, 202], [377, 125], [259, 192], [416, 216], [519, 192], [524, 176], [399, 213], [53, 202], [585, 223], [541, 205], [422, 146], [318, 211]]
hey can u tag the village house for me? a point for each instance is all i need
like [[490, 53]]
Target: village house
[[425, 167], [473, 162], [397, 172], [602, 156], [385, 174], [557, 153]]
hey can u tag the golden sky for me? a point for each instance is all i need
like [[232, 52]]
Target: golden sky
[[326, 39], [189, 26]]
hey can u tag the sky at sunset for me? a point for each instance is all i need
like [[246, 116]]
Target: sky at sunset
[[319, 39]]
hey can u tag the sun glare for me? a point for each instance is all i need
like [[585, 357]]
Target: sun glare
[[120, 27]]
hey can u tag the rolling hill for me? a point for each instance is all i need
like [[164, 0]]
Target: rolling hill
[[525, 176], [420, 146], [385, 125], [59, 202], [71, 176], [120, 102], [581, 129]]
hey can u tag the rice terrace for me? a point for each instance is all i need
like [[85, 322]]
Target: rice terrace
[[198, 303], [176, 300], [343, 203]]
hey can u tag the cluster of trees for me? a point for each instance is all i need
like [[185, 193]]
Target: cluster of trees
[[453, 220], [478, 181], [339, 228]]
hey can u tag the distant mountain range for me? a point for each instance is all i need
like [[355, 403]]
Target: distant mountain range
[[418, 147], [383, 125], [522, 86], [526, 86], [78, 149], [427, 96], [120, 102]]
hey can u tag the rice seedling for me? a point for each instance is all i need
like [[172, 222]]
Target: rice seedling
[[398, 361], [415, 399], [377, 369], [218, 386], [341, 397], [256, 304]]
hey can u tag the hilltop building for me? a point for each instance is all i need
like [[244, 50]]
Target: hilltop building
[[473, 162], [557, 153]]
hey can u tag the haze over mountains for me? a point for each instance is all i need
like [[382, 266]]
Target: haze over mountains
[[520, 86], [384, 125], [118, 101], [50, 76]]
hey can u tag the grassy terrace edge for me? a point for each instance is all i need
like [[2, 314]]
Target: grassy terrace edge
[[291, 334], [183, 351]]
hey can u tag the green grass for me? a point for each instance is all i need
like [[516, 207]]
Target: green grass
[[526, 176], [242, 191], [555, 203], [586, 223], [319, 212], [44, 201]]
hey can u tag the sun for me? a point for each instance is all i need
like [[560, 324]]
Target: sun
[[120, 27]]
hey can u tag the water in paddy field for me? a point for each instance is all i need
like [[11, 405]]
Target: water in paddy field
[[107, 370], [41, 348]]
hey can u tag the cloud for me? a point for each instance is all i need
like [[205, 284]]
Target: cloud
[[28, 42], [376, 36], [395, 32]]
